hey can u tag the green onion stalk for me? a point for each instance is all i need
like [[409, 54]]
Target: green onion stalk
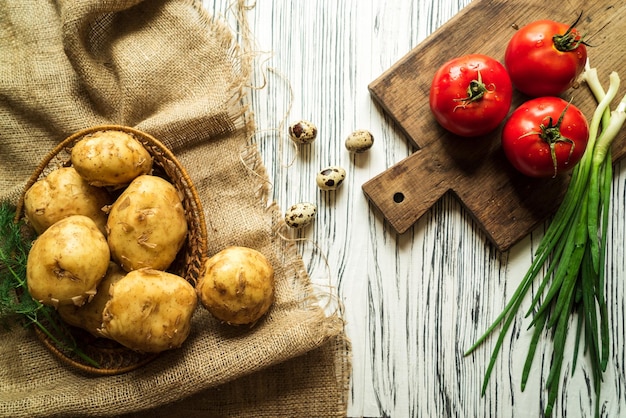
[[573, 254]]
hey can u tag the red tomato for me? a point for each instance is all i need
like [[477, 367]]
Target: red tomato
[[544, 58], [545, 136], [471, 95]]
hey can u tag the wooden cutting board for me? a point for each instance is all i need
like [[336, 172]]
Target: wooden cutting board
[[505, 204]]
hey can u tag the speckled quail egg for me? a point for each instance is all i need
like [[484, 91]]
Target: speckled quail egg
[[359, 141], [302, 132], [330, 178], [300, 215]]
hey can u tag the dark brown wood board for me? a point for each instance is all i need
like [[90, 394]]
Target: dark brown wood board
[[504, 203]]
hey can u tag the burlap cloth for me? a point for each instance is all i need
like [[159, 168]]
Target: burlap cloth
[[169, 69]]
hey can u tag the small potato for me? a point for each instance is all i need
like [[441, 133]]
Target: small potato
[[237, 285], [110, 158], [62, 193], [67, 262], [89, 316], [147, 225], [150, 311]]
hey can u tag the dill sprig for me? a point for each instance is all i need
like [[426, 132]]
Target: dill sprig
[[16, 303], [14, 247]]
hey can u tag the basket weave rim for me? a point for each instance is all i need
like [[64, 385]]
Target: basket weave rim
[[92, 370], [198, 214]]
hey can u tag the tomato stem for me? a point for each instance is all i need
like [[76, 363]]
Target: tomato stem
[[475, 91], [571, 39], [551, 134]]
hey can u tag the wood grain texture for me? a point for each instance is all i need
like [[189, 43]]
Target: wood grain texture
[[506, 204], [414, 302]]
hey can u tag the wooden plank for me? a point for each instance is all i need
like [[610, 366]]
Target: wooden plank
[[505, 204]]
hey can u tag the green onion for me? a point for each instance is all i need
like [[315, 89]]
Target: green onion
[[573, 251]]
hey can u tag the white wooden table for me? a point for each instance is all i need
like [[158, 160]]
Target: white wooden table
[[415, 302]]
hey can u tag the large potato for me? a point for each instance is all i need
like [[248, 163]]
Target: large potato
[[147, 225], [67, 262], [89, 316], [62, 193], [237, 285], [110, 158], [150, 311]]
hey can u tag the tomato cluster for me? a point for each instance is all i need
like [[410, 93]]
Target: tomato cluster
[[471, 96]]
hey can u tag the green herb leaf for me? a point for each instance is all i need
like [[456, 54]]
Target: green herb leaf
[[16, 304]]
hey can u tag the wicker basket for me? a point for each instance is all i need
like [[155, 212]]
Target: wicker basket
[[113, 358]]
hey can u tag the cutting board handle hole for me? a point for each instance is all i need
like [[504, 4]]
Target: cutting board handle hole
[[398, 197]]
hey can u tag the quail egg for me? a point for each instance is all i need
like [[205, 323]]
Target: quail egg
[[302, 132], [359, 141], [330, 178], [300, 215]]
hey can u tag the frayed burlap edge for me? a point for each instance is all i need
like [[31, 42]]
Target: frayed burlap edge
[[251, 158], [333, 336]]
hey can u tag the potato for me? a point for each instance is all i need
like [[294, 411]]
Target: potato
[[237, 285], [62, 193], [67, 262], [110, 158], [147, 225], [89, 316], [150, 311]]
